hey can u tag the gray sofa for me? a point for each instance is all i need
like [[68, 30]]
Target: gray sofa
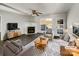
[[11, 49], [1, 51]]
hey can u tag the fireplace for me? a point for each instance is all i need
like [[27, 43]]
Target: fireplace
[[31, 29]]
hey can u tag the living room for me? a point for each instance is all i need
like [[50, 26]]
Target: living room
[[23, 24]]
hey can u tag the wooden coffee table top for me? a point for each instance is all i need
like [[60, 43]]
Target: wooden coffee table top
[[45, 41]]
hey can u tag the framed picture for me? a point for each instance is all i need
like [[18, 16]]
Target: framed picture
[[60, 21]]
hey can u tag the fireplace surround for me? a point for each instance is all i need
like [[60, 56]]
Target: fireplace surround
[[31, 30]]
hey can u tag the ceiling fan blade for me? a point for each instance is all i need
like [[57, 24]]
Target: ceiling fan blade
[[37, 14], [34, 11]]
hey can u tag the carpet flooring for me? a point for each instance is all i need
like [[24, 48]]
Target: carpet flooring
[[26, 39]]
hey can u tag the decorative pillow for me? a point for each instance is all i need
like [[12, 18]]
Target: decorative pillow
[[72, 43], [17, 43], [77, 43]]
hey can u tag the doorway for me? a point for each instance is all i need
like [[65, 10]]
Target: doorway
[[46, 27]]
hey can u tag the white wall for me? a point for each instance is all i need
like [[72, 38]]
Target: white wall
[[73, 17], [8, 17], [54, 18], [31, 24]]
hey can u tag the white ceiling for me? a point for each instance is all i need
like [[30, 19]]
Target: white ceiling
[[45, 8]]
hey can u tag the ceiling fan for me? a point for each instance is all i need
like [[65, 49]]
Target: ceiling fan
[[35, 12]]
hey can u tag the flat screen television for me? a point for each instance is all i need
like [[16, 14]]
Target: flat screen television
[[12, 26], [31, 29], [76, 30]]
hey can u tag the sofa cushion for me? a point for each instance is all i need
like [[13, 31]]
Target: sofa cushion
[[13, 48], [17, 43], [7, 51]]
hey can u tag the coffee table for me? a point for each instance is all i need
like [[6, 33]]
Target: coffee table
[[41, 43]]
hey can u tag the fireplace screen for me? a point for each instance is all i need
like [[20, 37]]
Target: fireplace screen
[[31, 29]]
